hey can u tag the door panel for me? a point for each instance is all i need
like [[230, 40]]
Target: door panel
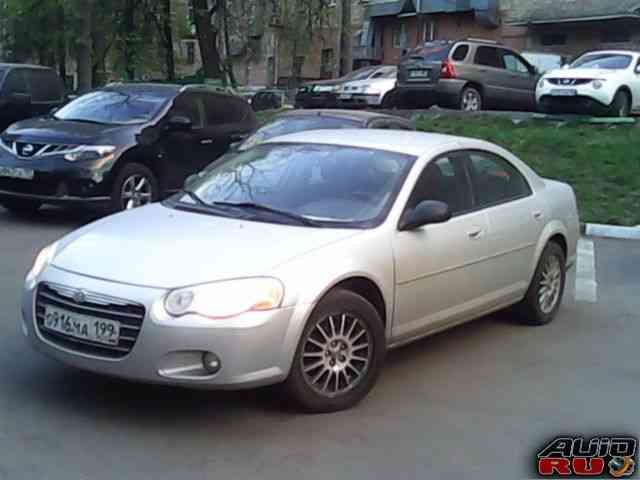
[[521, 81]]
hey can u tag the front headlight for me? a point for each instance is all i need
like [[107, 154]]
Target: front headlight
[[89, 152], [41, 262], [226, 299], [541, 83]]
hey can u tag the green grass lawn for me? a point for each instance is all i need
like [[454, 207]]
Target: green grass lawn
[[601, 162]]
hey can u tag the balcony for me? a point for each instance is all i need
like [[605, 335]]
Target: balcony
[[361, 52]]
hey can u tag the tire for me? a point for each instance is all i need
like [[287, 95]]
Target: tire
[[532, 309], [355, 377], [621, 105], [122, 198], [389, 101], [21, 207], [471, 100]]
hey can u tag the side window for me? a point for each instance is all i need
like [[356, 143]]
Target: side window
[[495, 180], [223, 109], [45, 86], [15, 83], [444, 180], [513, 63], [191, 106], [460, 53], [489, 57]]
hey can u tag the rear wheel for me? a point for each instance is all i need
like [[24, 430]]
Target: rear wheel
[[471, 100], [135, 186], [621, 105], [340, 354], [544, 296], [21, 207]]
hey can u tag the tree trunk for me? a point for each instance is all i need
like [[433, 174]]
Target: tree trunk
[[346, 39], [83, 46], [167, 37], [129, 27], [207, 39], [227, 45], [61, 46]]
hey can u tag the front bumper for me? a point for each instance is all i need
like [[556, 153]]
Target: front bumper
[[581, 105], [254, 349], [423, 94], [361, 100], [56, 181]]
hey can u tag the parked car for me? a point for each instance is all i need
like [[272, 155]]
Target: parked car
[[324, 93], [375, 91], [268, 99], [300, 120], [469, 75], [601, 82], [303, 260], [122, 146], [27, 91], [544, 62]]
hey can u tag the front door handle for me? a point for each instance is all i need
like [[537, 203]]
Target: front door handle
[[475, 233], [538, 215], [207, 141]]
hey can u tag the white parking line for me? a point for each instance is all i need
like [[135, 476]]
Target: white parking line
[[586, 285]]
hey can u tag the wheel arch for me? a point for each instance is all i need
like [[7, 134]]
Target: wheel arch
[[136, 154], [627, 90], [554, 232]]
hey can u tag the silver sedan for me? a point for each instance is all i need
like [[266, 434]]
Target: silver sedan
[[302, 261]]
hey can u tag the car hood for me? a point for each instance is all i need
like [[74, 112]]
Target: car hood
[[157, 246], [582, 73], [50, 130]]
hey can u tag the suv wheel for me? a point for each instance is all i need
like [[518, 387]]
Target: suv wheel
[[620, 107], [21, 207], [135, 186], [471, 100], [340, 354]]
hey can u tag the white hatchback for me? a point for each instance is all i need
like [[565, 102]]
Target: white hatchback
[[602, 82]]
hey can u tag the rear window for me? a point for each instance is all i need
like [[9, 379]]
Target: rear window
[[489, 56], [432, 52], [222, 110], [460, 53], [45, 86]]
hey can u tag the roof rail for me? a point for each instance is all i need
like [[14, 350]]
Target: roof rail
[[204, 86], [481, 40]]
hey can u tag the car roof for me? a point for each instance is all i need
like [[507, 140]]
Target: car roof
[[357, 115], [398, 141], [165, 89], [24, 65], [610, 52]]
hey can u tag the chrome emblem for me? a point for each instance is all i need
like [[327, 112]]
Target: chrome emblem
[[28, 149], [79, 297]]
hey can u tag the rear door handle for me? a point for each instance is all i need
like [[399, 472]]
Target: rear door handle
[[475, 233], [207, 141]]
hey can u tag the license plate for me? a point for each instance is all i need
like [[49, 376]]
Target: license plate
[[21, 173], [564, 92], [345, 96], [419, 74], [80, 326]]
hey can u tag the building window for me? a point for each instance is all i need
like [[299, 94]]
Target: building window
[[191, 53], [551, 39], [327, 63], [399, 36], [429, 31], [298, 62], [613, 36]]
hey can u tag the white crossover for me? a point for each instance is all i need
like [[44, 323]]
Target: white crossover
[[601, 82]]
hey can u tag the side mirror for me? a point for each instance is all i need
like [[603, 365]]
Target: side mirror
[[180, 123], [19, 99], [565, 66], [638, 69], [190, 180], [425, 213]]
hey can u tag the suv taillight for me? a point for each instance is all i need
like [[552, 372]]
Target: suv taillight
[[447, 70]]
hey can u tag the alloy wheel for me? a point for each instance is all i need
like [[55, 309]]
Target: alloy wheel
[[136, 192], [470, 101], [550, 285], [336, 354]]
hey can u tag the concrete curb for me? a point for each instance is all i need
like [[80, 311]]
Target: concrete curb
[[610, 231]]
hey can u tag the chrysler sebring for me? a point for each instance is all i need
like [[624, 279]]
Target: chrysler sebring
[[302, 261]]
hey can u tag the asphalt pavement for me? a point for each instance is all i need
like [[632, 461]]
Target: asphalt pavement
[[474, 402]]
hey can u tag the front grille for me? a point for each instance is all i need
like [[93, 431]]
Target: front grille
[[27, 150], [569, 82], [129, 314]]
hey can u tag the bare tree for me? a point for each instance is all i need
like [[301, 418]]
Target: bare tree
[[208, 32], [84, 46]]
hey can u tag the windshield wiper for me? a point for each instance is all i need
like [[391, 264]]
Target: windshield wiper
[[265, 208]]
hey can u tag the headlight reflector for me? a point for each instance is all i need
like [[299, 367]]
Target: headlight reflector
[[42, 261], [89, 152], [226, 299]]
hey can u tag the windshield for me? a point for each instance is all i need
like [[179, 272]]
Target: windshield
[[544, 62], [301, 123], [330, 185], [431, 52], [113, 107], [362, 74], [603, 61]]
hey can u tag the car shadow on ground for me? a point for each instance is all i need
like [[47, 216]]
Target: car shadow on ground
[[53, 217]]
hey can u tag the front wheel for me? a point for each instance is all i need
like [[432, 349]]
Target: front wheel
[[621, 105], [135, 186], [544, 296], [340, 354]]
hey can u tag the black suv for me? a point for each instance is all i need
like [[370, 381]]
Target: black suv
[[470, 75], [123, 146], [27, 91]]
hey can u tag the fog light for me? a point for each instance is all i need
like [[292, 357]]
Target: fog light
[[211, 362]]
